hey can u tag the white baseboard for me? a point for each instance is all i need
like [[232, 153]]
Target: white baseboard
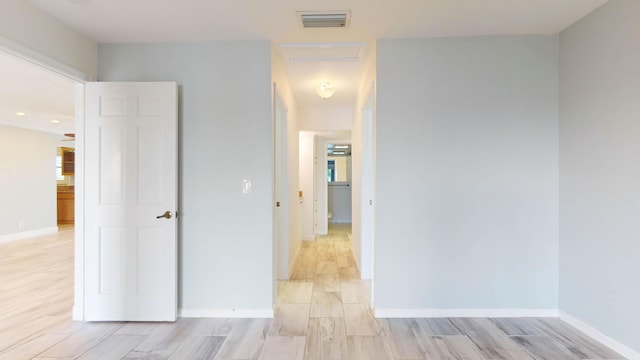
[[225, 313], [440, 313], [28, 234], [594, 333]]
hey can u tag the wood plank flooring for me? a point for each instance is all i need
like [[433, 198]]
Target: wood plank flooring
[[323, 313]]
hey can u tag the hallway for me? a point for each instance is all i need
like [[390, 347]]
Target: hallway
[[328, 303], [322, 313]]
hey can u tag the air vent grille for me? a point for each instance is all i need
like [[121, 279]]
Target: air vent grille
[[333, 19]]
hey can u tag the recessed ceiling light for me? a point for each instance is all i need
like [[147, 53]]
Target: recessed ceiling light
[[55, 121], [338, 153], [20, 113], [342, 146]]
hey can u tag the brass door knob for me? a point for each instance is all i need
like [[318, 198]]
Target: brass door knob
[[166, 215]]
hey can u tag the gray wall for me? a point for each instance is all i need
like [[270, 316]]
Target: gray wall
[[27, 180], [600, 170], [225, 236], [468, 216]]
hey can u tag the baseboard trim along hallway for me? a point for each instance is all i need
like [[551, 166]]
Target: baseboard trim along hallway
[[472, 313]]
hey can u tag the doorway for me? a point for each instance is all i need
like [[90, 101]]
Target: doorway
[[39, 101], [52, 91], [339, 185]]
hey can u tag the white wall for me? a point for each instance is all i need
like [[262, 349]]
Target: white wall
[[325, 118], [306, 173], [339, 202], [27, 181], [362, 238], [226, 136], [468, 217], [293, 206], [24, 25], [600, 171]]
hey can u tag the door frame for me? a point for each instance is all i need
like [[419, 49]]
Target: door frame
[[281, 187], [79, 185], [368, 128], [48, 63]]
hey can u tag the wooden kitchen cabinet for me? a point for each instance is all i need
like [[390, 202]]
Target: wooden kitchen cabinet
[[66, 207], [68, 161]]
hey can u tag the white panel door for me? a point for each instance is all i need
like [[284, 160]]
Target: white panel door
[[130, 183]]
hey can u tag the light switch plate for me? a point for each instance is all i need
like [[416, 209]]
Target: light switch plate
[[246, 186]]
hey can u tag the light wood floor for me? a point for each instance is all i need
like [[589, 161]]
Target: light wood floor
[[322, 313]]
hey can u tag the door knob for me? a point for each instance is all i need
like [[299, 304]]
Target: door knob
[[166, 215]]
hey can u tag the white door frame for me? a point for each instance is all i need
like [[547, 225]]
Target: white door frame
[[367, 201], [281, 188], [79, 225], [320, 202], [27, 54]]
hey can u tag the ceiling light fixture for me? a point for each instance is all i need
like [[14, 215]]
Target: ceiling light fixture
[[20, 113], [55, 121], [338, 153], [325, 90], [342, 146]]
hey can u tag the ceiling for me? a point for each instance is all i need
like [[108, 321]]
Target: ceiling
[[41, 95], [197, 20], [277, 21]]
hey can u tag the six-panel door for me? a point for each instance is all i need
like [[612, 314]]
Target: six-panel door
[[130, 180]]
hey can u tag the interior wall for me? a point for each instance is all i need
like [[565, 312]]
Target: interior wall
[[22, 24], [339, 202], [294, 207], [306, 174], [600, 171], [225, 103], [28, 181], [362, 241], [470, 207], [325, 118]]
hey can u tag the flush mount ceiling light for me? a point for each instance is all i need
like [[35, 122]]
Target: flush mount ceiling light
[[325, 90], [20, 113], [55, 121]]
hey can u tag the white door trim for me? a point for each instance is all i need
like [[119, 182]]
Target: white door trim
[[27, 54], [79, 178]]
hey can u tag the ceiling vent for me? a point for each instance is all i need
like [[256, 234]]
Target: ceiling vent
[[324, 19]]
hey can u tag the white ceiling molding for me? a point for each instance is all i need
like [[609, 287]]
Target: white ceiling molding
[[327, 52], [20, 51]]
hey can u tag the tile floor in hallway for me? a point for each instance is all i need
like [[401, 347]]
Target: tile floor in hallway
[[322, 313]]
